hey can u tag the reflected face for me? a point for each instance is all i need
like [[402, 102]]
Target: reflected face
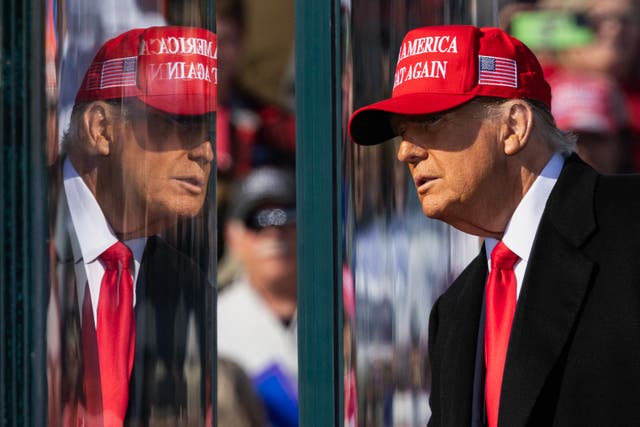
[[454, 159], [163, 163]]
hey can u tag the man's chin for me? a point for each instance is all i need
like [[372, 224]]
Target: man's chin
[[163, 219], [185, 208], [434, 212]]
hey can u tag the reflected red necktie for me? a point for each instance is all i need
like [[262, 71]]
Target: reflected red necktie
[[116, 333], [500, 308]]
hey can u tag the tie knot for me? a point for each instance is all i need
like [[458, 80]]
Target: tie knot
[[502, 257], [117, 255]]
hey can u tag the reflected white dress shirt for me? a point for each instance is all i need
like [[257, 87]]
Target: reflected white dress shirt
[[93, 235], [523, 225]]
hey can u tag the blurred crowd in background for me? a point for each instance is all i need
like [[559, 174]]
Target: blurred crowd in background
[[255, 152], [590, 50]]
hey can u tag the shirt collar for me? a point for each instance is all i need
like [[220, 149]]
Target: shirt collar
[[523, 225], [93, 232], [92, 229]]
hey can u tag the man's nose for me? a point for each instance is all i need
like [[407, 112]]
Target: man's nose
[[409, 152], [202, 152]]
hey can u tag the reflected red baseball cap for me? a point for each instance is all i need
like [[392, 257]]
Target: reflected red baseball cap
[[442, 67], [172, 69]]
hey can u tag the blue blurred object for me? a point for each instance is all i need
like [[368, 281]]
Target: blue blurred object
[[279, 395]]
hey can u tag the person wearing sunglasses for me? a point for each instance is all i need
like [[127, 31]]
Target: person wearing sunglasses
[[257, 311]]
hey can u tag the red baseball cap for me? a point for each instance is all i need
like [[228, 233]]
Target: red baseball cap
[[442, 67], [172, 69], [587, 103]]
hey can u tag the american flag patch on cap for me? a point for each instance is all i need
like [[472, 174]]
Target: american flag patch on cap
[[113, 73], [497, 71]]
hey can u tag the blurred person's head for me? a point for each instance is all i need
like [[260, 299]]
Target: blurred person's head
[[591, 106], [141, 128], [261, 230], [616, 42], [617, 25], [548, 31]]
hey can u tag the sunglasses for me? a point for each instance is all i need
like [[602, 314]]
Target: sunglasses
[[270, 217], [137, 111]]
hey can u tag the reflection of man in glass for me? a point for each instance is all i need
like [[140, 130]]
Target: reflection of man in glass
[[542, 327], [137, 158]]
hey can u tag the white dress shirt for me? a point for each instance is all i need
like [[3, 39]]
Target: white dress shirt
[[250, 333], [93, 235], [523, 225]]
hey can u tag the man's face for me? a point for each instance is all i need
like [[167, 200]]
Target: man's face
[[163, 163], [454, 159]]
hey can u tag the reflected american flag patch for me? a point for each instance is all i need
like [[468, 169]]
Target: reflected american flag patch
[[497, 71], [113, 73]]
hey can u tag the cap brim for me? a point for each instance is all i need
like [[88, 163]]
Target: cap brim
[[370, 125], [186, 105]]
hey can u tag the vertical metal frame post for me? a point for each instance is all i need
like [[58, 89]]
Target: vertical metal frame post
[[318, 139], [23, 249]]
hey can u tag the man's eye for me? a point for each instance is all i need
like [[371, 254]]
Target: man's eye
[[430, 120], [192, 121], [400, 130]]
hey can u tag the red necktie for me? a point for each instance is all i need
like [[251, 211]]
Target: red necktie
[[116, 333], [500, 308], [91, 414]]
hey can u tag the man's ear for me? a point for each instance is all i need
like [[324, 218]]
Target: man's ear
[[97, 122], [517, 126]]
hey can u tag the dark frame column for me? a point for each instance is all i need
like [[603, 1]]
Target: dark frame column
[[23, 248], [318, 100]]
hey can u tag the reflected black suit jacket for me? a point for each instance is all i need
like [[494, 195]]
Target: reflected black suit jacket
[[174, 346], [574, 352], [173, 354]]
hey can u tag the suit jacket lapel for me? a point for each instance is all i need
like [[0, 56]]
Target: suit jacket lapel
[[460, 347], [555, 284], [65, 301]]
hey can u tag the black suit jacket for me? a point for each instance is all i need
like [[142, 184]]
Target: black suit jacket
[[174, 336], [574, 352], [174, 341]]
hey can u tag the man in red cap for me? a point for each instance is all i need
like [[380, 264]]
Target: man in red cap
[[542, 327], [136, 159]]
